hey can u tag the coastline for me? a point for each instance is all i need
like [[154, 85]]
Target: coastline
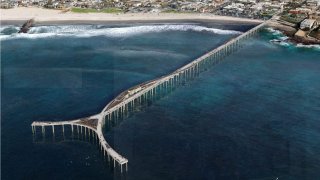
[[47, 16], [290, 32]]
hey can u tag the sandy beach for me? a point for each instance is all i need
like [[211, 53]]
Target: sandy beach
[[47, 15]]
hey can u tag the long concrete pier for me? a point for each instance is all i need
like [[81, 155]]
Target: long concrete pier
[[126, 102]]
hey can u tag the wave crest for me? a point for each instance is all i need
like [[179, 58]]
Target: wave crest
[[98, 30], [314, 46], [274, 32]]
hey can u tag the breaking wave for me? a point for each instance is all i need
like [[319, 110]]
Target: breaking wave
[[274, 32], [314, 46], [283, 40], [11, 32]]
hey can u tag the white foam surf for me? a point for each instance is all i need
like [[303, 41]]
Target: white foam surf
[[275, 32], [313, 46], [96, 30], [282, 40]]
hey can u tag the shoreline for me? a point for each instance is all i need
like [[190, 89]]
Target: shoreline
[[124, 22], [47, 16], [290, 33]]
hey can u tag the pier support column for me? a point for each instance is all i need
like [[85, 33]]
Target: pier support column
[[63, 132], [52, 129], [33, 129], [92, 135], [43, 132], [78, 131]]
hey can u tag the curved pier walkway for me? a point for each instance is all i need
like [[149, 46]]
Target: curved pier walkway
[[128, 100]]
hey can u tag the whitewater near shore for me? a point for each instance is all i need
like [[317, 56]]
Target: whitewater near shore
[[8, 32], [48, 15]]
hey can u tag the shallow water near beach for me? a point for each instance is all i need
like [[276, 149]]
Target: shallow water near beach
[[252, 117]]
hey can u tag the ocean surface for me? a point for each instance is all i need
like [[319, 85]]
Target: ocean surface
[[255, 116]]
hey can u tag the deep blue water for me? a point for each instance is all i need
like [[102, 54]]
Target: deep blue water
[[255, 116], [252, 117], [67, 72]]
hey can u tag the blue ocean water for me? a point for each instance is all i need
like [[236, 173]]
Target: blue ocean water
[[63, 72], [252, 117], [255, 116]]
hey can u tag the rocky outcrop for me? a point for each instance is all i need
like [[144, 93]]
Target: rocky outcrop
[[295, 35], [26, 26], [303, 37]]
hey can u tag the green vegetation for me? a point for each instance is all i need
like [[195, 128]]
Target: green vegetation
[[292, 18], [267, 14], [175, 11], [170, 11], [315, 34], [88, 10]]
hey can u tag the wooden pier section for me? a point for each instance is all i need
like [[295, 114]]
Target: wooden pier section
[[126, 102]]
